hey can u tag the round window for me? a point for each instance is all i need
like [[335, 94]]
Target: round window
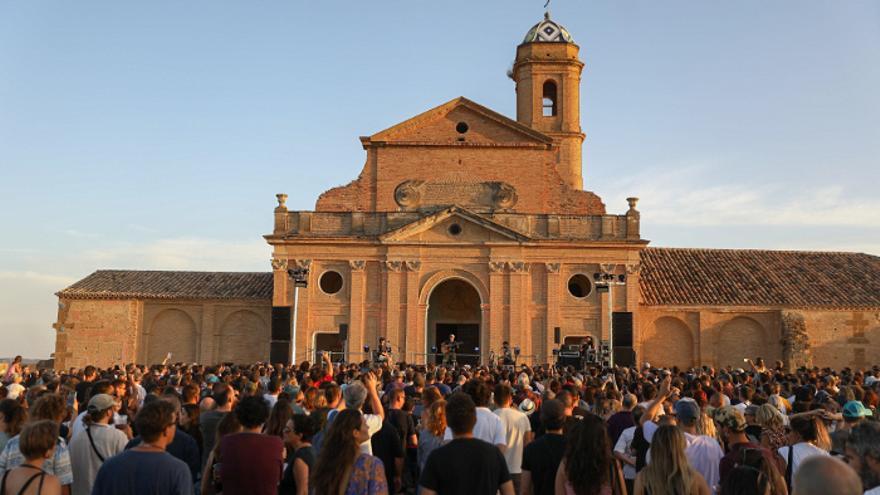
[[330, 282], [579, 286], [454, 229], [461, 127]]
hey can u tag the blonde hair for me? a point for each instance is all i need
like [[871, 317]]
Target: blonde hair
[[706, 426], [767, 416], [669, 472]]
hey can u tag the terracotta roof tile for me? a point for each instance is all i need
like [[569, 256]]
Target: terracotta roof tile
[[745, 277], [136, 284]]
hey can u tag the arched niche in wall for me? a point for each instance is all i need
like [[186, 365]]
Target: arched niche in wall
[[174, 331]]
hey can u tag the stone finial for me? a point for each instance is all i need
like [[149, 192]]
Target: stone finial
[[633, 201], [282, 202]]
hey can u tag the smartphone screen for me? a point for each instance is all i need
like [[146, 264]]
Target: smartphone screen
[[71, 399]]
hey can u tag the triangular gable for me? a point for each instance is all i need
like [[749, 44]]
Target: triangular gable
[[426, 223], [509, 130]]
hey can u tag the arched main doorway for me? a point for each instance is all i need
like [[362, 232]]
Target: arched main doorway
[[454, 307]]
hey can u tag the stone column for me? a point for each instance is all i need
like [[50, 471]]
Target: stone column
[[303, 316], [392, 303], [485, 318], [496, 305], [553, 303], [356, 326], [280, 281], [413, 335], [208, 338], [518, 307]]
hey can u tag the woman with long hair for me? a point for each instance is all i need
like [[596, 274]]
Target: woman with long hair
[[433, 426], [278, 418], [804, 441], [772, 424], [588, 467], [669, 472], [12, 418], [341, 469]]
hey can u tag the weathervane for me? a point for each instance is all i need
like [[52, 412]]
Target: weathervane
[[546, 3]]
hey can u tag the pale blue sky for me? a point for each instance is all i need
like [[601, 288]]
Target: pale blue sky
[[155, 134]]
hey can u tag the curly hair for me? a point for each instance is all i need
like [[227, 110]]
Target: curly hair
[[49, 406], [436, 423], [588, 457], [338, 453]]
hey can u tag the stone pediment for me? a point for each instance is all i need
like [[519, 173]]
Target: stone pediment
[[454, 225], [459, 122]]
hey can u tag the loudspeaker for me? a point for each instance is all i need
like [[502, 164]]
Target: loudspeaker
[[557, 335], [624, 356], [622, 326], [279, 352], [281, 323], [343, 331]]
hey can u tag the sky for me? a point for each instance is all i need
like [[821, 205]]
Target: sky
[[155, 135]]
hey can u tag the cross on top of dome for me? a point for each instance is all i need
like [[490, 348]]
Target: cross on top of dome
[[548, 31]]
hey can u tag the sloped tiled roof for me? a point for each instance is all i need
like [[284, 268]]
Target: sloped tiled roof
[[744, 277], [136, 284]]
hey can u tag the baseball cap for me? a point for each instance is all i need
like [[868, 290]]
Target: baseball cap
[[730, 417], [101, 402], [687, 410], [855, 409]]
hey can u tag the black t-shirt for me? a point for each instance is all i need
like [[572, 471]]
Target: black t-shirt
[[465, 466], [388, 447], [288, 481], [404, 423], [541, 458], [81, 389]]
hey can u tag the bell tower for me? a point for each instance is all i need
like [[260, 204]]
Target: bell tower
[[547, 73]]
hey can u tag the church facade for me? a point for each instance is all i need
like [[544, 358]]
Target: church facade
[[465, 221]]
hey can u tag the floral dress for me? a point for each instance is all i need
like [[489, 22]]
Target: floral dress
[[367, 477]]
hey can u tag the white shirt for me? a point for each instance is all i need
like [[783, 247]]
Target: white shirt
[[374, 424], [516, 425], [271, 399], [741, 407], [79, 424], [109, 441], [623, 446], [802, 451], [873, 491], [14, 390], [488, 428]]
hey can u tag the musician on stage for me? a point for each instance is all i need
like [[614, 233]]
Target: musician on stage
[[588, 352], [448, 348], [383, 351], [507, 358]]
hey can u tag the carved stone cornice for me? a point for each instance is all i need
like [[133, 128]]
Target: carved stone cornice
[[497, 266], [552, 267], [394, 266], [413, 265], [357, 265], [279, 264], [518, 266]]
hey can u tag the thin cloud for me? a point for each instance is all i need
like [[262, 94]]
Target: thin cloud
[[681, 197]]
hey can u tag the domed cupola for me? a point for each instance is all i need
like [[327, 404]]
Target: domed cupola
[[548, 31]]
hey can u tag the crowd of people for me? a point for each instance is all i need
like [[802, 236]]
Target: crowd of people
[[383, 428]]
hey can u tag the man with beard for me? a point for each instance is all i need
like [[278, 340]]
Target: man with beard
[[863, 454]]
